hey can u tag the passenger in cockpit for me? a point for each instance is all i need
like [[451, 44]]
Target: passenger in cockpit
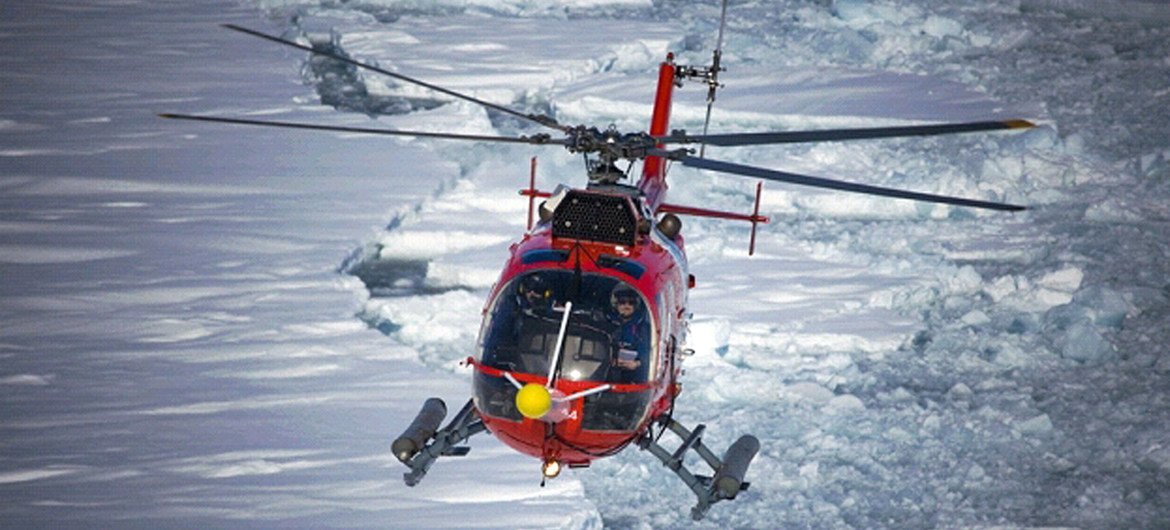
[[631, 331], [534, 295]]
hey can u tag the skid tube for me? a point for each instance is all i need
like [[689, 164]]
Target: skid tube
[[423, 442], [727, 481]]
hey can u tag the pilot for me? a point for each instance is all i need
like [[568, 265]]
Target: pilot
[[631, 331], [534, 295]]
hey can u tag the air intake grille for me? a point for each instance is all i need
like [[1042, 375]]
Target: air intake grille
[[593, 217]]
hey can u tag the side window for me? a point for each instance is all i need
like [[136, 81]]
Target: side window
[[497, 343], [630, 319]]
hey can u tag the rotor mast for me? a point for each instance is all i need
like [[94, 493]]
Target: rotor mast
[[712, 75]]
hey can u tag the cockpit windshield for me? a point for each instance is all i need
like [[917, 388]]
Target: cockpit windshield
[[608, 333]]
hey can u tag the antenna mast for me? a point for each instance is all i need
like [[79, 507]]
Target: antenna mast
[[709, 74]]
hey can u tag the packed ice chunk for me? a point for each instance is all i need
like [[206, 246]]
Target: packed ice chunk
[[810, 392], [845, 403], [939, 27], [859, 13], [1077, 329], [708, 337], [1065, 280], [851, 10], [975, 317], [1113, 210], [1157, 457], [960, 392], [1106, 306], [1038, 425], [1004, 286], [1156, 165], [1082, 342]]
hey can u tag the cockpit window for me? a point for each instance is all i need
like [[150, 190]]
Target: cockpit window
[[607, 338]]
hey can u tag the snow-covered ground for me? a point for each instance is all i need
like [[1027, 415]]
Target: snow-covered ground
[[181, 344]]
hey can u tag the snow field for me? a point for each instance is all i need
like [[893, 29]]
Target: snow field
[[894, 352], [179, 349]]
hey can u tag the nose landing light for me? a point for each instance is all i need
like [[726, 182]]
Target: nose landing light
[[551, 469]]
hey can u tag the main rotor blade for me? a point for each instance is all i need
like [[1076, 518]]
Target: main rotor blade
[[833, 135], [818, 182], [546, 121], [538, 139]]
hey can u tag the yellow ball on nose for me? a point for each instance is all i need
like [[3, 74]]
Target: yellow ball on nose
[[533, 401]]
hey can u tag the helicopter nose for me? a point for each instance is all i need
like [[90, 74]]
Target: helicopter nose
[[533, 401]]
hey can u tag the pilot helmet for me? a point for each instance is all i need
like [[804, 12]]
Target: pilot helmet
[[624, 294], [534, 288]]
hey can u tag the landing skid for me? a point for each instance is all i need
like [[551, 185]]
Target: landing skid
[[727, 481], [423, 442]]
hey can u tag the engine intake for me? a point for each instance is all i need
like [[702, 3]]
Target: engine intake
[[595, 217]]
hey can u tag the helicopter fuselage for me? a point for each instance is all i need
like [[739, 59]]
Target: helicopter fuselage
[[590, 244], [580, 278]]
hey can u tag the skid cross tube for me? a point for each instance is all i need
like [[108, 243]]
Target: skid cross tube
[[464, 425], [727, 481]]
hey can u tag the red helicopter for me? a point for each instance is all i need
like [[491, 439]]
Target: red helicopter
[[579, 354]]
